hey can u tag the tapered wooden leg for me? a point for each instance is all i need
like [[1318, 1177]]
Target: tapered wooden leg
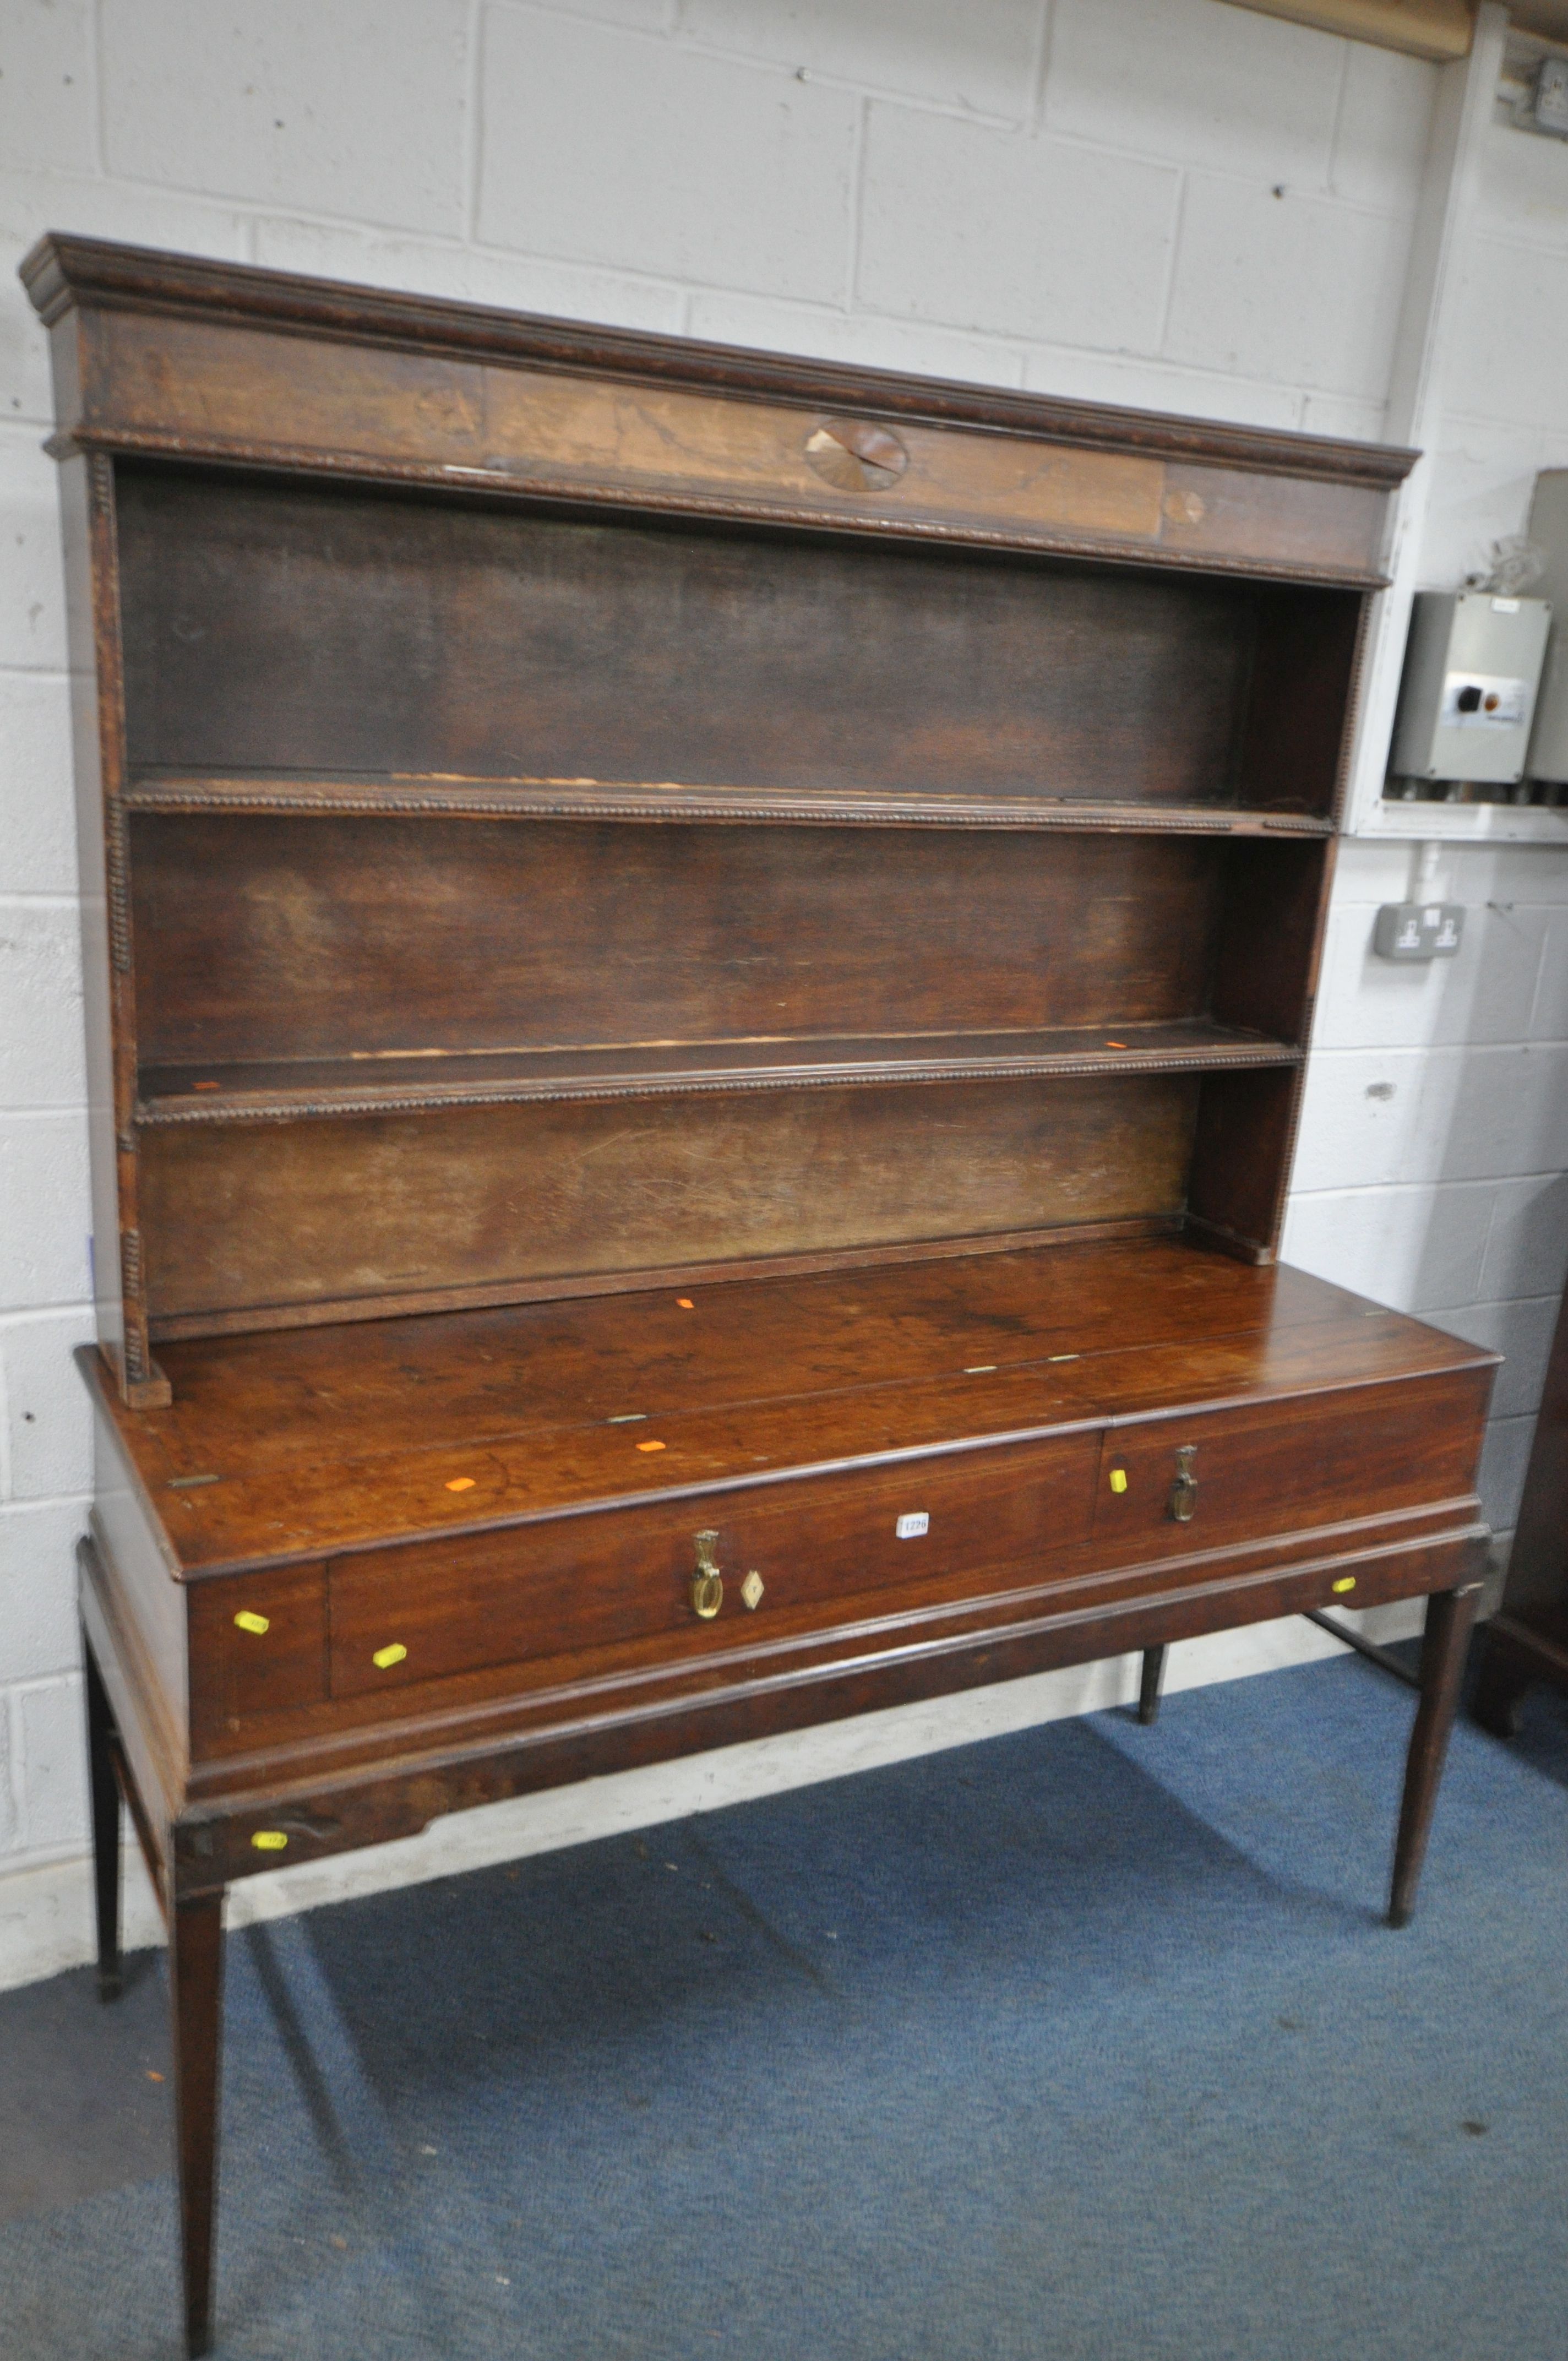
[[1450, 1615], [1149, 1685], [196, 2000], [104, 1789]]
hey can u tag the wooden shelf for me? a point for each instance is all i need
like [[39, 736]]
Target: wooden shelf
[[395, 1083], [597, 800]]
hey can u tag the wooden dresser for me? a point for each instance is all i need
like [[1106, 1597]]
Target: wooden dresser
[[699, 975]]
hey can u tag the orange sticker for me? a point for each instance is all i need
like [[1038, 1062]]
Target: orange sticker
[[460, 1484], [209, 1086], [650, 1446], [685, 1304], [1115, 1044]]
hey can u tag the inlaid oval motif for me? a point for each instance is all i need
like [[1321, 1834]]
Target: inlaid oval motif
[[854, 455], [1184, 508]]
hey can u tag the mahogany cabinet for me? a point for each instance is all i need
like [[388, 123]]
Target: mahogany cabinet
[[699, 971]]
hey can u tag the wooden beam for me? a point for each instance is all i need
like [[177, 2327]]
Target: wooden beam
[[1440, 29], [1548, 19]]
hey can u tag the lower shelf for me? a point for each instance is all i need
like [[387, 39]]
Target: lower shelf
[[399, 1082]]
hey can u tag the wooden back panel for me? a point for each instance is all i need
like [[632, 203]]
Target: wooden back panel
[[264, 1224], [277, 627], [323, 938]]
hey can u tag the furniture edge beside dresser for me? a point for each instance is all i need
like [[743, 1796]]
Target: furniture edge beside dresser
[[1526, 1641], [458, 1437]]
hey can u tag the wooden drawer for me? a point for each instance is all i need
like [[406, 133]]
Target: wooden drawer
[[577, 1584], [257, 1645], [1277, 1468]]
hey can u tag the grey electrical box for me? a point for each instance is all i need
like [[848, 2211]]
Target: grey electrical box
[[1548, 529], [1467, 699]]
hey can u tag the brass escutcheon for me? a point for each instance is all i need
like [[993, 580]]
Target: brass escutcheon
[[708, 1583], [1184, 1491]]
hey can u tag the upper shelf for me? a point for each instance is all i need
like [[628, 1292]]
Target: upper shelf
[[594, 799], [377, 1083]]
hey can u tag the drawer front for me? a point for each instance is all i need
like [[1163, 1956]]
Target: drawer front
[[257, 1645], [823, 1546], [1182, 1484]]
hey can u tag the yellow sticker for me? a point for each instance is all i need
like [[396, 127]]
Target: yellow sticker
[[1118, 1479], [650, 1446], [270, 1840], [249, 1622], [461, 1484], [1345, 1582], [384, 1658]]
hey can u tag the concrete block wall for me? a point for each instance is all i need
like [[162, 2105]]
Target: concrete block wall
[[1176, 204], [1431, 1166], [1430, 1171]]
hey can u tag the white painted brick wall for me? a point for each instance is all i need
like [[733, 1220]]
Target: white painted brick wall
[[743, 174], [1435, 1133], [357, 109], [1014, 232], [1167, 203], [989, 65]]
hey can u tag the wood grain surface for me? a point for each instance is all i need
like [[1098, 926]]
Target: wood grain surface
[[392, 1082], [490, 1521], [424, 637], [293, 1445], [666, 801], [63, 273], [294, 939], [275, 1218], [166, 354]]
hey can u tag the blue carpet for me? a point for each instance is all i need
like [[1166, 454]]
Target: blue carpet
[[1088, 2042]]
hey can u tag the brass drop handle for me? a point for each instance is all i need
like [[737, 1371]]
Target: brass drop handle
[[1184, 1491], [708, 1583]]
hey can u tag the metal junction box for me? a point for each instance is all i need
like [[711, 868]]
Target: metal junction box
[[1467, 699]]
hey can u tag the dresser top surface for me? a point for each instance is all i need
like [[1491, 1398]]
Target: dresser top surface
[[293, 1443]]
